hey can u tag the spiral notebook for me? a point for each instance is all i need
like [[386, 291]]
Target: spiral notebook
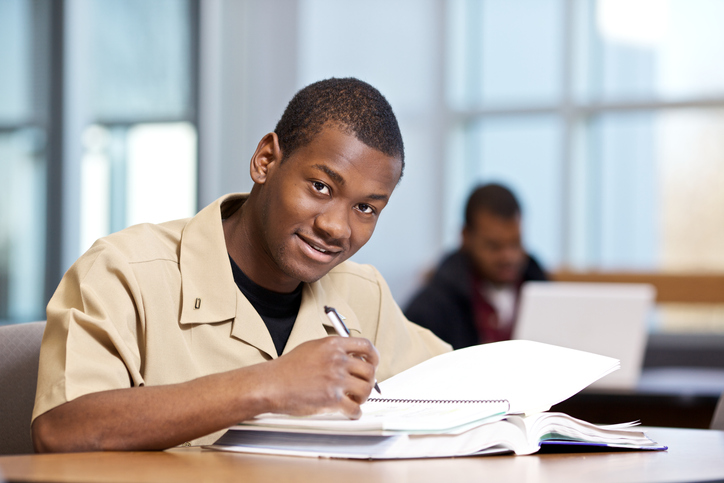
[[454, 391], [389, 415]]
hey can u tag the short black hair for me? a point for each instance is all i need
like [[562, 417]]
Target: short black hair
[[493, 198], [349, 104]]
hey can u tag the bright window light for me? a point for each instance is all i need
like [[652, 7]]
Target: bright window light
[[635, 22]]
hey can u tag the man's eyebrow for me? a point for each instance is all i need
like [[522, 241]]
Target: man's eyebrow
[[331, 173]]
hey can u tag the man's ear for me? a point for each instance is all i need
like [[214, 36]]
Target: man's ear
[[267, 156]]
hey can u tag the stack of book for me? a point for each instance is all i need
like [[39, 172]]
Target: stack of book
[[486, 399]]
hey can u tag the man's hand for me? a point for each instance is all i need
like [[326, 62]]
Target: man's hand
[[333, 374]]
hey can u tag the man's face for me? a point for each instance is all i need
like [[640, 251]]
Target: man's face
[[322, 203], [494, 244]]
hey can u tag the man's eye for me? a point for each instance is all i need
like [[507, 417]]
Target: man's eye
[[321, 187], [365, 208]]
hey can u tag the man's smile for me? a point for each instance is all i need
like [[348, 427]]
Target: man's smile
[[318, 250]]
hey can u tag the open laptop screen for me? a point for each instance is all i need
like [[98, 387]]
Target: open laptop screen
[[604, 318]]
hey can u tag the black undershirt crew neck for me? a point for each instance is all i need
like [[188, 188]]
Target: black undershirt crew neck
[[277, 310]]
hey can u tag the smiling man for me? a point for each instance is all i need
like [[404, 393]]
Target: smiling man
[[166, 334]]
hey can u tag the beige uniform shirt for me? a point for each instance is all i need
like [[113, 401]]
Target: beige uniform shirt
[[157, 304]]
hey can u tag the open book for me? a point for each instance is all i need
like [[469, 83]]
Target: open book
[[470, 401], [519, 434]]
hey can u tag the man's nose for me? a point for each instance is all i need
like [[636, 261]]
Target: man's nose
[[334, 221], [511, 253]]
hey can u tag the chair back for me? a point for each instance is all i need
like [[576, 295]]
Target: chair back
[[19, 354], [717, 422]]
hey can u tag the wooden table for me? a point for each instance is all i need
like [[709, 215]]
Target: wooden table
[[693, 455]]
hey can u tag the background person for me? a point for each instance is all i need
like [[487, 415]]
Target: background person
[[472, 297]]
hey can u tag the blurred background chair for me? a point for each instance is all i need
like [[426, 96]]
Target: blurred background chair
[[19, 353], [717, 422]]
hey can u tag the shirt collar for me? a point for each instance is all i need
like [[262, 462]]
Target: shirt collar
[[209, 293]]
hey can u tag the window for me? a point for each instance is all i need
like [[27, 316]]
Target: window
[[24, 87], [97, 102], [138, 158], [603, 116]]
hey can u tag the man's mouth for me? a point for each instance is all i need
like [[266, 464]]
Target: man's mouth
[[319, 249], [323, 250]]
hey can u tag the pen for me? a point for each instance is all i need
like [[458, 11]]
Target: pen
[[341, 329]]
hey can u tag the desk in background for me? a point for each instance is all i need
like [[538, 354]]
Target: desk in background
[[681, 382], [652, 409], [680, 397], [694, 455]]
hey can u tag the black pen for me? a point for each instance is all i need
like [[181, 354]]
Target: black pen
[[341, 329]]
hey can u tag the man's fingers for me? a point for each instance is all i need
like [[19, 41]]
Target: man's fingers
[[357, 393], [350, 408], [330, 374], [362, 349], [362, 369]]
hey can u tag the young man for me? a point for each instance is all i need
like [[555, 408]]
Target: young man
[[472, 297], [165, 334]]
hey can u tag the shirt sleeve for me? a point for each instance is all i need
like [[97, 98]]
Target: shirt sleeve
[[91, 340]]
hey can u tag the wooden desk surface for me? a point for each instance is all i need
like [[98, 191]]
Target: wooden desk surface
[[693, 455]]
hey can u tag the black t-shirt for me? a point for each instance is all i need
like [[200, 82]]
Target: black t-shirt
[[277, 310]]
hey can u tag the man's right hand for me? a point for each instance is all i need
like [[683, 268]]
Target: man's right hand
[[334, 374]]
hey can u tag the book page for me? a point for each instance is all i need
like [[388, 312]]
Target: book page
[[532, 376]]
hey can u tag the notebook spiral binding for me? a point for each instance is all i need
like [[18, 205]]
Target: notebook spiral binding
[[439, 401]]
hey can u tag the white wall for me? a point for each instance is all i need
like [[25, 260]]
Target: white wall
[[248, 74]]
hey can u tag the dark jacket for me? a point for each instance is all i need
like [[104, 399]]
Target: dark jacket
[[445, 304]]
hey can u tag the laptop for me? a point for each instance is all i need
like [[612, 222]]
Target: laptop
[[604, 318]]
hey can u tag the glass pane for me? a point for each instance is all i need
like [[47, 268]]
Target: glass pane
[[615, 196], [648, 192], [95, 183], [139, 55], [24, 32], [142, 174], [15, 61], [22, 226], [161, 173], [505, 52], [690, 152], [139, 158], [663, 49], [522, 153]]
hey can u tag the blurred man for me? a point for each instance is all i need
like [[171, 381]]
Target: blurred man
[[472, 297]]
